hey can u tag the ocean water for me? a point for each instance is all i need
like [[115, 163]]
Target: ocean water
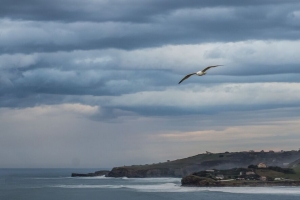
[[56, 184]]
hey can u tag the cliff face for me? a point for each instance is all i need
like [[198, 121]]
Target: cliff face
[[142, 173], [186, 166]]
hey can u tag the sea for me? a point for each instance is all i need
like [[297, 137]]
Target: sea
[[57, 184]]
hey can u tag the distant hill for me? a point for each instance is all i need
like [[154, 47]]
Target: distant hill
[[200, 162]]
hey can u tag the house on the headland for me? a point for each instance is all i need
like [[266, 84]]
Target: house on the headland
[[278, 179], [220, 177], [250, 173], [263, 178], [261, 165], [285, 164], [210, 170]]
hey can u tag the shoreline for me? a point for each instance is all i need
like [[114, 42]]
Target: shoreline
[[204, 182]]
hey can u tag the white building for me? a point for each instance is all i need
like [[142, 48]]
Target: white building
[[278, 179], [250, 173], [220, 177], [263, 178], [262, 165]]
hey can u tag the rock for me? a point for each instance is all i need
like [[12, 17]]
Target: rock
[[192, 180], [124, 172], [196, 181], [97, 173], [142, 172]]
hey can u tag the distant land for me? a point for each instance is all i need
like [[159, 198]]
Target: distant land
[[205, 161]]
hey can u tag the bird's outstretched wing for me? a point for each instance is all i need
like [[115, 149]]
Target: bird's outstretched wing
[[210, 67], [187, 76]]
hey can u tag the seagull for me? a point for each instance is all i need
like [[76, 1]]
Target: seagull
[[199, 73]]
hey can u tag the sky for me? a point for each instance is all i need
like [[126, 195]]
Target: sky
[[94, 83]]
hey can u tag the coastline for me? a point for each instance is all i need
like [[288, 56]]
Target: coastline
[[194, 181]]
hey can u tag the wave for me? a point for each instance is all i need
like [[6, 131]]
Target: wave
[[49, 178], [93, 177], [171, 187], [86, 186], [155, 180], [146, 188], [257, 190], [68, 177]]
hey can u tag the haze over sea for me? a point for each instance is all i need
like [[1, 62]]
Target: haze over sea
[[32, 184]]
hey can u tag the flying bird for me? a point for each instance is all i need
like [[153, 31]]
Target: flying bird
[[199, 73]]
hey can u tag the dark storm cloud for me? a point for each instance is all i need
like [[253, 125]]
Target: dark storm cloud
[[266, 69], [35, 86], [47, 78], [113, 10], [169, 22]]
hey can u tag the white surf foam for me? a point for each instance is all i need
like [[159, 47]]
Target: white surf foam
[[171, 187], [94, 177], [87, 186], [49, 178], [147, 188], [155, 180], [174, 185], [257, 190]]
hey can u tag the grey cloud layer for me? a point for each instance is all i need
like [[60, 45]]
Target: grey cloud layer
[[113, 10], [94, 52], [179, 23]]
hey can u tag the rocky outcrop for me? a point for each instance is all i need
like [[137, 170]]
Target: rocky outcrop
[[192, 180], [142, 173], [196, 181], [97, 173]]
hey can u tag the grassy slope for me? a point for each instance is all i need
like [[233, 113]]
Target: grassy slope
[[297, 169], [234, 156], [174, 163], [270, 173], [275, 174], [181, 162]]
